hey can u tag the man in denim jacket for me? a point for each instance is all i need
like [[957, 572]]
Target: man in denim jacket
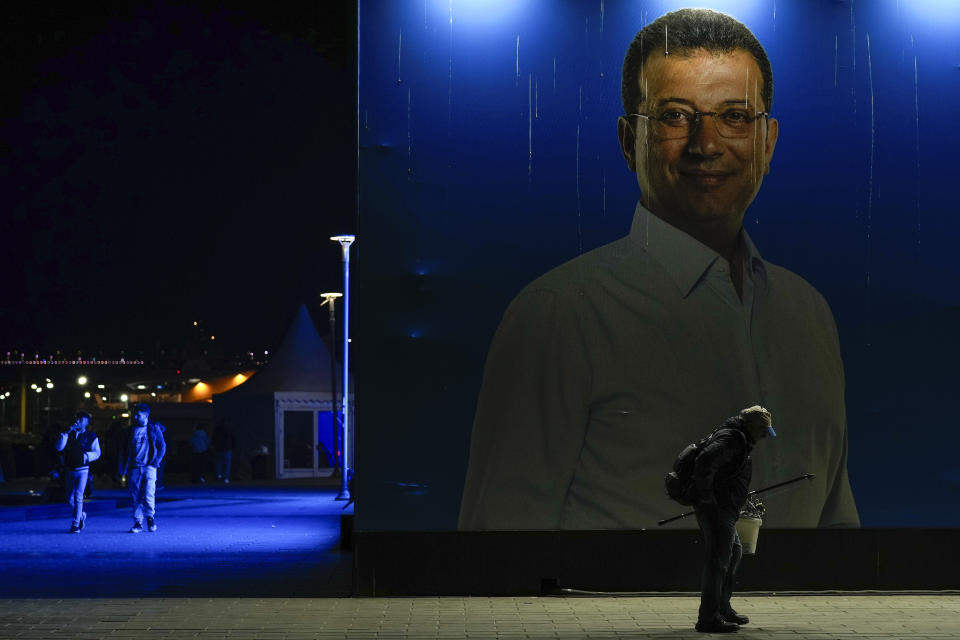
[[141, 457]]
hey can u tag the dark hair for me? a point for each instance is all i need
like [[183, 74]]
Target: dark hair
[[682, 32], [141, 407], [81, 415]]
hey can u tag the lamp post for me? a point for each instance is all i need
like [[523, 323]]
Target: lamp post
[[36, 407], [331, 298], [345, 242], [50, 387]]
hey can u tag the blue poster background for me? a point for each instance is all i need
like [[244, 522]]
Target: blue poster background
[[488, 155]]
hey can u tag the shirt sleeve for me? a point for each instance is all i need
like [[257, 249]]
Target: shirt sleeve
[[94, 453], [531, 418], [839, 509], [161, 444]]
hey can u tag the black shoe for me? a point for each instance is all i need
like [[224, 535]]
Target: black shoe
[[151, 524], [74, 528], [83, 520], [716, 626], [736, 618], [137, 527]]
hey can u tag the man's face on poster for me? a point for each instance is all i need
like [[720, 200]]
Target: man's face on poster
[[711, 170]]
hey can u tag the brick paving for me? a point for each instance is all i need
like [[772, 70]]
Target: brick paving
[[783, 617]]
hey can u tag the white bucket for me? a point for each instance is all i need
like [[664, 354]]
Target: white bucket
[[749, 529]]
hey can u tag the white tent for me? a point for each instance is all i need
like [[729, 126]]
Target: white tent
[[287, 407]]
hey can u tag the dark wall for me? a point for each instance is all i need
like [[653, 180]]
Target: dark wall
[[488, 155], [530, 562]]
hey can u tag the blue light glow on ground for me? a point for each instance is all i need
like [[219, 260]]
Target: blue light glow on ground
[[212, 541]]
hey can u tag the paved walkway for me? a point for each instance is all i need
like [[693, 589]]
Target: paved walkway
[[224, 540], [833, 617]]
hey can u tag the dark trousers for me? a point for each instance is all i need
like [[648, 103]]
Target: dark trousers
[[223, 464], [198, 462], [722, 553]]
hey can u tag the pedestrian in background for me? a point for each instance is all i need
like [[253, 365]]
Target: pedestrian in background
[[142, 455], [223, 444], [199, 444], [115, 439], [80, 447]]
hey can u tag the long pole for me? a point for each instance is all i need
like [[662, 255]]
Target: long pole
[[806, 476], [345, 242]]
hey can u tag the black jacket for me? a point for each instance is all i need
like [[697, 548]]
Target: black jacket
[[723, 470]]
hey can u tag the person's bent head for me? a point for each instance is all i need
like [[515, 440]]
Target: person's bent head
[[757, 422]]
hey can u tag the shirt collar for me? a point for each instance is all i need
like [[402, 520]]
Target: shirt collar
[[685, 259]]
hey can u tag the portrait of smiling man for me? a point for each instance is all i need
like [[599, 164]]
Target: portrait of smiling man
[[604, 368]]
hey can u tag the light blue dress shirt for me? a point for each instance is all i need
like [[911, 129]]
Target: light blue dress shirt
[[603, 369]]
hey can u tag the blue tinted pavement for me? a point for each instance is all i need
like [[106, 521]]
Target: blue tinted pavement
[[235, 541]]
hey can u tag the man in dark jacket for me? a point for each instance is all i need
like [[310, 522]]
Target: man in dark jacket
[[80, 447], [141, 456], [722, 473]]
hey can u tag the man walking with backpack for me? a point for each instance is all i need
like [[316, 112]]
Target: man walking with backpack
[[722, 473]]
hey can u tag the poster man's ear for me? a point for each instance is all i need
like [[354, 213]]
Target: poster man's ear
[[773, 131], [626, 133]]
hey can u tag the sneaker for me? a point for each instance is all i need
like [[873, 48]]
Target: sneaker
[[151, 524], [137, 527], [83, 520], [74, 528]]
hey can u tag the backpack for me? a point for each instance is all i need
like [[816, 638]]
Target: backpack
[[680, 483]]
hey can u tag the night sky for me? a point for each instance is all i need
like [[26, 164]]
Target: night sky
[[164, 162]]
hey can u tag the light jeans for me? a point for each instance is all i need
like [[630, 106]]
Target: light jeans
[[142, 483], [75, 486]]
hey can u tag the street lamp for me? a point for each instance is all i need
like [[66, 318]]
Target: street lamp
[[82, 380], [331, 298], [36, 405], [345, 242]]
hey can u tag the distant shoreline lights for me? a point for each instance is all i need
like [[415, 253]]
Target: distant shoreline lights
[[121, 361]]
